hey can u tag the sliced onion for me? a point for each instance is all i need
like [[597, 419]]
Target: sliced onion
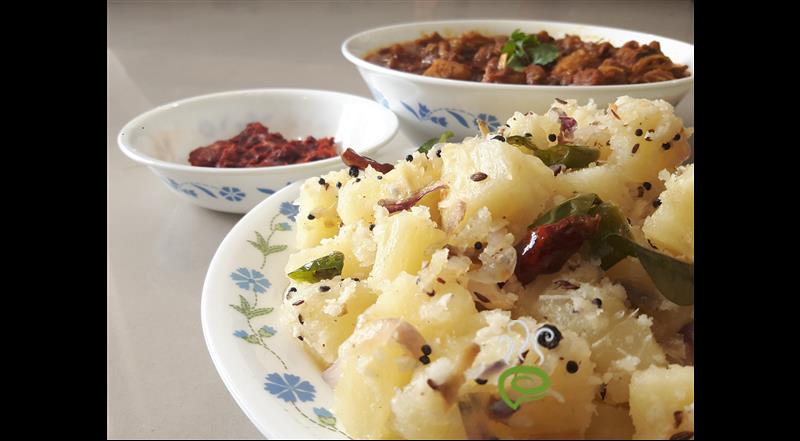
[[353, 159], [406, 204]]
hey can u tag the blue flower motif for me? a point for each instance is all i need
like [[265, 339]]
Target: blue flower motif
[[289, 388], [439, 120], [491, 121], [246, 279], [325, 416], [289, 210], [267, 331], [240, 334], [323, 412], [232, 194]]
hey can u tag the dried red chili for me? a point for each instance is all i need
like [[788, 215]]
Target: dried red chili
[[547, 247]]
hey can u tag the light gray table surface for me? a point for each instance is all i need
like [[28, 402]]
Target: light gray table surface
[[160, 378]]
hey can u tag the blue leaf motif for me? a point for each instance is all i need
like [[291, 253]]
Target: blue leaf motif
[[380, 98], [266, 190], [459, 118], [413, 112], [423, 110], [439, 120], [204, 190]]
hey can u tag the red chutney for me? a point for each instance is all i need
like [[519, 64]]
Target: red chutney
[[256, 146]]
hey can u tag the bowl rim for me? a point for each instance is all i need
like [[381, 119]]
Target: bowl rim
[[123, 139], [361, 63]]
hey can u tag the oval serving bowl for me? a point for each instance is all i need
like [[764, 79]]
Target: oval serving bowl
[[427, 106], [275, 382], [163, 137]]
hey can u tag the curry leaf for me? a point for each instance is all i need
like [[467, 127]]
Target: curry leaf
[[424, 148], [326, 267], [572, 156], [673, 278], [521, 141], [579, 205], [614, 242], [612, 221]]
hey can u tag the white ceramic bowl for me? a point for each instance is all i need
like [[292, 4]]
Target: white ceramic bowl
[[427, 106], [163, 137]]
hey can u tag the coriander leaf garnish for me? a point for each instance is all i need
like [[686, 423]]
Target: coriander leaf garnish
[[543, 53], [525, 49]]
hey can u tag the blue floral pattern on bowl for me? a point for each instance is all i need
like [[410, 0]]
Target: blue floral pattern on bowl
[[229, 193], [289, 387], [441, 116], [285, 386], [379, 97], [250, 279], [232, 194], [289, 210], [325, 416]]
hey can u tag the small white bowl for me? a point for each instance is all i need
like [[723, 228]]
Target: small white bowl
[[428, 106], [163, 137]]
